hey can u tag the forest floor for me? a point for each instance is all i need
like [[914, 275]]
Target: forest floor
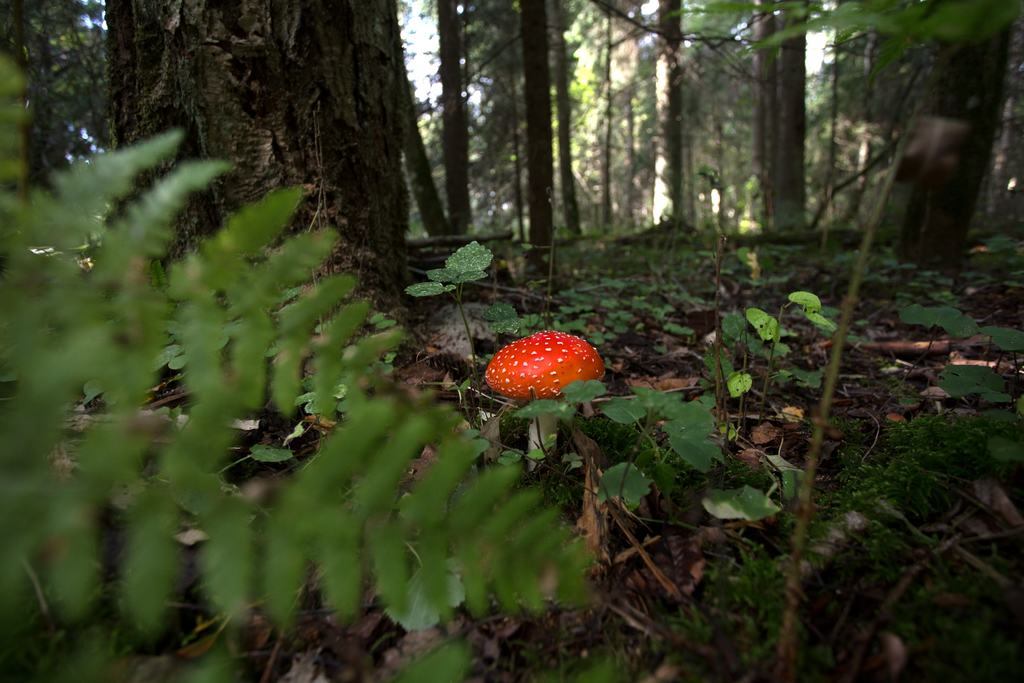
[[916, 563]]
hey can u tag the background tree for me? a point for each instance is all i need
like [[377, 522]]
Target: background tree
[[570, 209], [292, 95], [456, 124], [765, 108], [790, 191], [538, 120], [970, 92], [669, 166]]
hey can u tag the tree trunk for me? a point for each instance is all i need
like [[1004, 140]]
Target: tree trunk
[[970, 91], [290, 93], [606, 148], [668, 189], [570, 209], [764, 110], [538, 119], [517, 150], [455, 133], [417, 164], [790, 191]]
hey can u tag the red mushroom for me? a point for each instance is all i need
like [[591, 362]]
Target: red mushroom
[[539, 366]]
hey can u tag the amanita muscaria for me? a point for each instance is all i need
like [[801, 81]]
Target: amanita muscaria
[[539, 366]]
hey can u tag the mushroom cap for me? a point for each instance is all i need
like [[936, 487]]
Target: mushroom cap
[[545, 362]]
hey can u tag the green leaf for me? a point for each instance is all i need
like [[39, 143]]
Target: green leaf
[[624, 411], [809, 302], [91, 390], [767, 327], [503, 318], [964, 380], [474, 257], [264, 453], [545, 406], [624, 480], [821, 322], [419, 612], [428, 289], [739, 383], [692, 419], [809, 378], [696, 451], [582, 392], [745, 503], [955, 323], [1005, 450], [1005, 338], [448, 663]]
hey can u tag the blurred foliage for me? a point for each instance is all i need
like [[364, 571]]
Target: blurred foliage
[[81, 313]]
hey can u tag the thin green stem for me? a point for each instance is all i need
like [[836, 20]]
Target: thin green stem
[[788, 643]]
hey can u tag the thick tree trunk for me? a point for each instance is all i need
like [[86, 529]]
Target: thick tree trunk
[[570, 209], [764, 110], [606, 144], [517, 150], [455, 133], [970, 91], [668, 189], [417, 164], [790, 190], [538, 119], [292, 94]]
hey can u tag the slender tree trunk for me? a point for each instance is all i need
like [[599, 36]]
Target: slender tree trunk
[[303, 94], [455, 133], [538, 119], [606, 150], [764, 110], [668, 192], [417, 164], [570, 209], [632, 191], [970, 91], [517, 155], [790, 190]]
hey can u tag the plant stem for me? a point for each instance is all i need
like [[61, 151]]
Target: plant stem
[[788, 643], [720, 406], [767, 380]]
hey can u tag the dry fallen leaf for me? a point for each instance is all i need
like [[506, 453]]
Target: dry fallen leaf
[[592, 522], [793, 413], [765, 433], [895, 417]]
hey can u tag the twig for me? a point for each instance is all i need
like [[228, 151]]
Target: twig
[[786, 650], [44, 607]]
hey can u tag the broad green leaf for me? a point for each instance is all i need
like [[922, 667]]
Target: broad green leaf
[[428, 289], [582, 392], [624, 410], [1006, 450], [964, 380], [1005, 338], [955, 323], [744, 503], [809, 302], [626, 481], [503, 318], [696, 451], [692, 418], [821, 322], [473, 257], [809, 378], [767, 326], [419, 612], [545, 406], [450, 662], [739, 383], [264, 453]]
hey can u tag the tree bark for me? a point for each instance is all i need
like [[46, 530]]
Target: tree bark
[[455, 125], [606, 143], [538, 120], [291, 93], [790, 190], [764, 110], [417, 165], [570, 208], [970, 91], [668, 190]]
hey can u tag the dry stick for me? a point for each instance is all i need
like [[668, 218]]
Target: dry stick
[[786, 650]]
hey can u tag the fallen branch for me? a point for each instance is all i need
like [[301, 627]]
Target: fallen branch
[[455, 240]]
